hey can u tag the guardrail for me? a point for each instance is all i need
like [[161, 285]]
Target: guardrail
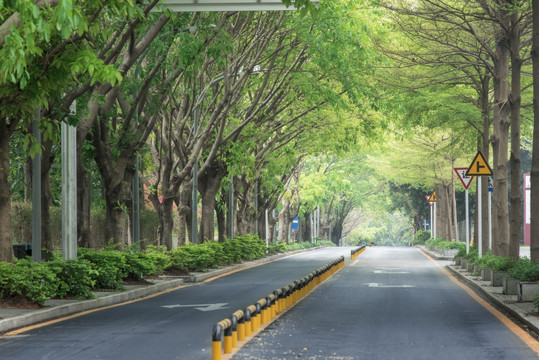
[[242, 324], [355, 252]]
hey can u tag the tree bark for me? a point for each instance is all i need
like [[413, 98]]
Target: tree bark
[[6, 245], [208, 185], [534, 239], [514, 101], [47, 158], [84, 197], [500, 145], [184, 212]]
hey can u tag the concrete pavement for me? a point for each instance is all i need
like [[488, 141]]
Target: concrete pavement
[[523, 312], [392, 303]]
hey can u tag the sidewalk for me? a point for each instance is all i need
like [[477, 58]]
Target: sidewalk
[[15, 318], [523, 311]]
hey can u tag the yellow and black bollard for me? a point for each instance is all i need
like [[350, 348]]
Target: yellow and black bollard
[[223, 326]]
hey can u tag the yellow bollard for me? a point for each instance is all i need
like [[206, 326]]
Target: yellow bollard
[[216, 350], [228, 344], [241, 331]]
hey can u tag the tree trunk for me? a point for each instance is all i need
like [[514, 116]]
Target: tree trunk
[[167, 223], [6, 245], [84, 197], [208, 185], [454, 201], [184, 211], [534, 238], [449, 214], [515, 99], [308, 228], [283, 221], [500, 136], [115, 224], [442, 213], [47, 246], [221, 223]]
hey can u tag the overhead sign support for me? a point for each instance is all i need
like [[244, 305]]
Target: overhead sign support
[[479, 167], [220, 5]]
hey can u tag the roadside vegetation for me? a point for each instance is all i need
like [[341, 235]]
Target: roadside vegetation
[[110, 269]]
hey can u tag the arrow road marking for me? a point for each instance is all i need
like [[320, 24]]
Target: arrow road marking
[[390, 272], [388, 286], [201, 307]]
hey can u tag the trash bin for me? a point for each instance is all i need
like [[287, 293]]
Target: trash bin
[[22, 250]]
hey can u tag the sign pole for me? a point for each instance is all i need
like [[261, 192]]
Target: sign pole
[[490, 189], [479, 219], [434, 221], [430, 225], [479, 167], [467, 222], [466, 180]]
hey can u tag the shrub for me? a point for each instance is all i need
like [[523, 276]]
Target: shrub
[[496, 263], [74, 278], [279, 247], [421, 237], [472, 256], [159, 257], [524, 269], [110, 266], [139, 264], [32, 280], [251, 246]]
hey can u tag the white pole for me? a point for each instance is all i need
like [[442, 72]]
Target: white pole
[[467, 223], [267, 229], [490, 220], [434, 222], [69, 189], [431, 225], [479, 218]]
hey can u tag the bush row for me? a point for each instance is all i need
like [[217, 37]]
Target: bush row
[[522, 269], [438, 243], [109, 269]]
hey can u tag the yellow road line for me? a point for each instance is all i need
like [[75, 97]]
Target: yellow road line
[[524, 336]]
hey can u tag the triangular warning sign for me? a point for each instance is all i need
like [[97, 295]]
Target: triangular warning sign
[[479, 166], [432, 198], [465, 180]]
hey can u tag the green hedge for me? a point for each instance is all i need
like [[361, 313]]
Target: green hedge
[[109, 269]]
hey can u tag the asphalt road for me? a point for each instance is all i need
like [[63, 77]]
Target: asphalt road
[[392, 303], [175, 325]]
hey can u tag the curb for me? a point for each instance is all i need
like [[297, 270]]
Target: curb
[[434, 255], [106, 299]]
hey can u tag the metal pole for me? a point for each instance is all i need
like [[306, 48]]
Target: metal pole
[[434, 221], [36, 191], [467, 222], [431, 225], [267, 228], [136, 205], [490, 220], [479, 219], [256, 207], [231, 208], [69, 188], [194, 200]]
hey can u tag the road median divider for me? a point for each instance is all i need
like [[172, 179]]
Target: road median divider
[[354, 253], [243, 324]]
